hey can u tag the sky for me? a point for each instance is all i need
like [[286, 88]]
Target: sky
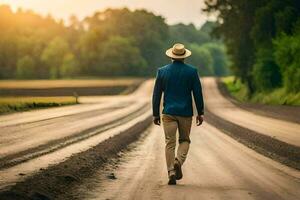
[[175, 11]]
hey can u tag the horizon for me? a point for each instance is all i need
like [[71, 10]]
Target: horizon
[[63, 11]]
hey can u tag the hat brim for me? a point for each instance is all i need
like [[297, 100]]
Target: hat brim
[[170, 54]]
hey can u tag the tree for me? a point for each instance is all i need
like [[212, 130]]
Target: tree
[[201, 58], [120, 57], [235, 22], [53, 56], [287, 56], [69, 67], [90, 47], [147, 31], [85, 47], [25, 68], [208, 27], [219, 57], [249, 29], [266, 72], [187, 34], [271, 19]]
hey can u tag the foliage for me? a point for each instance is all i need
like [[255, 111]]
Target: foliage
[[249, 29], [202, 59], [219, 58], [279, 96], [120, 50], [266, 72], [235, 20], [69, 67], [144, 30], [187, 34], [287, 55], [53, 56], [207, 53], [25, 68], [236, 88], [113, 42]]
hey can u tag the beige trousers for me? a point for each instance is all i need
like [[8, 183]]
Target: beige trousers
[[170, 124]]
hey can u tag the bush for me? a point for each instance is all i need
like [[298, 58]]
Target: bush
[[53, 56], [121, 57], [69, 66], [266, 72], [201, 58], [25, 68], [287, 55], [220, 59]]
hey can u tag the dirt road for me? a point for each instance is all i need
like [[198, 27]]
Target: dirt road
[[288, 132], [30, 130], [33, 140], [217, 167]]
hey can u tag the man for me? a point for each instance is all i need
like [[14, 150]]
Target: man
[[177, 81]]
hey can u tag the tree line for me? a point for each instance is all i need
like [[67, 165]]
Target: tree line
[[263, 40], [114, 42]]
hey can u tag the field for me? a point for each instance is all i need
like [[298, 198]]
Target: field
[[17, 104], [42, 84], [47, 88], [277, 96], [22, 95]]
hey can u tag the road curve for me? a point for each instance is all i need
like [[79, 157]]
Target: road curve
[[285, 131], [217, 167], [24, 133]]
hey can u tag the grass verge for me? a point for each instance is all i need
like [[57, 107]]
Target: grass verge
[[275, 97], [17, 104]]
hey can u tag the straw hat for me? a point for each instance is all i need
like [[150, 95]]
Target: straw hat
[[178, 52]]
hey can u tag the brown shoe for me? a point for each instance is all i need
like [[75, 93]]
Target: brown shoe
[[172, 178], [178, 171]]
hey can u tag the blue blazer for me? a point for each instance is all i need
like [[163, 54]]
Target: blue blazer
[[177, 81]]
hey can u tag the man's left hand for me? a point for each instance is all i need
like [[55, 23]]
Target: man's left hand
[[156, 121]]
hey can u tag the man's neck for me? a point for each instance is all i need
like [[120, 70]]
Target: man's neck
[[178, 61]]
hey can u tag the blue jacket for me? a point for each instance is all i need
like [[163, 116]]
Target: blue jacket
[[177, 81]]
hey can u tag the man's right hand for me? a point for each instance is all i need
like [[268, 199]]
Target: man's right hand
[[156, 121], [199, 120]]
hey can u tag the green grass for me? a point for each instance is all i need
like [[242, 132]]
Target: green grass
[[277, 96], [17, 104], [236, 89]]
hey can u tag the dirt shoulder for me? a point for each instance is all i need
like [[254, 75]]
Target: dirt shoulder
[[268, 146], [282, 112]]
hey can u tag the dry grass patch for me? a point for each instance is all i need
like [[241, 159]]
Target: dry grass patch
[[40, 84]]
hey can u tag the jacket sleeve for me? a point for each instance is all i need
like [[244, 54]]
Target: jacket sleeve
[[197, 93], [157, 92]]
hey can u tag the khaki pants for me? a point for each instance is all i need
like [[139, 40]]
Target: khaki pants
[[170, 124]]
